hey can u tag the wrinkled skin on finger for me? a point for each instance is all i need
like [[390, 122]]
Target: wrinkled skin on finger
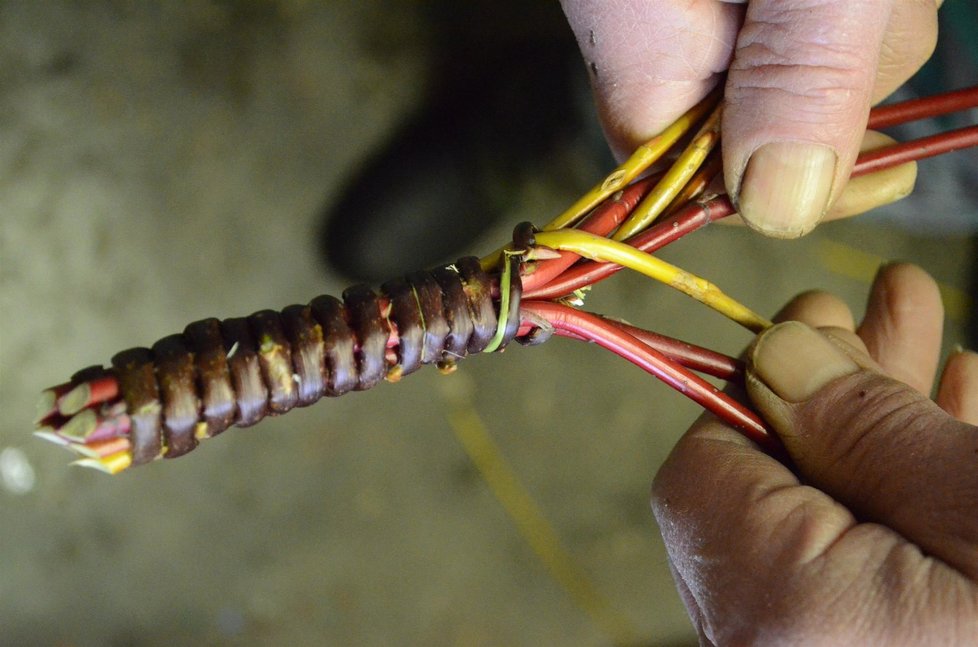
[[871, 537], [800, 78]]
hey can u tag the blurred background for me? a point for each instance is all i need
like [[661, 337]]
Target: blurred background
[[160, 163]]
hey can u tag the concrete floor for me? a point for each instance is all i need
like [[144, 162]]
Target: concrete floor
[[160, 165]]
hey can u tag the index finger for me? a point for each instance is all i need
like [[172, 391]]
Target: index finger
[[651, 61], [739, 528]]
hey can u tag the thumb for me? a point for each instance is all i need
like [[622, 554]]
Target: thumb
[[797, 100], [874, 444]]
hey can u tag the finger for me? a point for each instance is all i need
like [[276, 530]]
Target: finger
[[957, 392], [649, 62], [903, 325], [734, 520], [817, 309], [872, 190], [692, 606], [826, 312], [797, 99], [761, 559], [910, 38], [908, 42], [870, 442]]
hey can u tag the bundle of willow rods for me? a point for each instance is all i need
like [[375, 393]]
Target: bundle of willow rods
[[159, 402]]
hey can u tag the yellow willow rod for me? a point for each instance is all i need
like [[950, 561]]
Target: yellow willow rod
[[698, 184], [681, 171], [643, 157], [610, 251]]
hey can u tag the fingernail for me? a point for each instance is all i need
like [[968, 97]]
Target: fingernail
[[795, 361], [786, 187]]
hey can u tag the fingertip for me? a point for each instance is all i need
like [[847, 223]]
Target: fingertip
[[866, 192], [818, 309], [957, 392], [795, 362], [797, 98], [907, 277], [904, 323]]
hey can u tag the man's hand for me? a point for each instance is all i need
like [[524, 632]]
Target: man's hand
[[801, 76], [872, 536]]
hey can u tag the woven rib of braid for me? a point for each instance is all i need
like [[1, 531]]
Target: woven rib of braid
[[236, 371]]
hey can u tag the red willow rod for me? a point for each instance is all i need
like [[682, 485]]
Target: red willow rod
[[593, 328], [697, 358], [916, 149], [923, 108]]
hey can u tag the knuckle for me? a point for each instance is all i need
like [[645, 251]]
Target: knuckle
[[870, 413], [787, 56], [829, 83]]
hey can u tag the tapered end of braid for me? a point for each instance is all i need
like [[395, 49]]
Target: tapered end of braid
[[88, 417], [160, 401]]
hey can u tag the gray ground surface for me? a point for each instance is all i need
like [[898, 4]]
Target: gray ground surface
[[162, 165]]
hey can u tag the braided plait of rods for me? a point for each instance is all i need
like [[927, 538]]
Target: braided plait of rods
[[218, 373], [160, 401]]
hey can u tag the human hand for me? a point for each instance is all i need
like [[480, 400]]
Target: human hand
[[801, 78], [873, 538]]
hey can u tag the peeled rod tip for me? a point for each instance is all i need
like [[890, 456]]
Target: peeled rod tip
[[45, 405], [48, 434], [112, 464], [80, 426], [74, 400], [100, 389], [61, 441], [92, 463]]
